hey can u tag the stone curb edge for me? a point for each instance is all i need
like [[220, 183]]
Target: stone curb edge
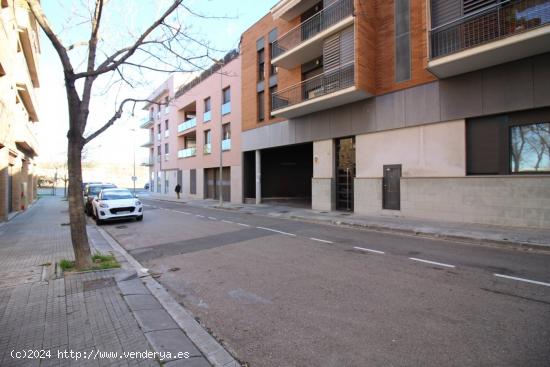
[[210, 347]]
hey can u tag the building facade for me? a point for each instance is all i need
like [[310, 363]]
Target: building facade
[[19, 79], [200, 126], [430, 109]]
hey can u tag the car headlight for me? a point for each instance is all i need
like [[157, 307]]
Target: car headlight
[[138, 203], [103, 205]]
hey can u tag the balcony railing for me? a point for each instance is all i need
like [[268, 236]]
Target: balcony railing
[[207, 149], [186, 125], [207, 116], [149, 142], [146, 122], [321, 21], [186, 153], [158, 137], [321, 85], [226, 144], [487, 25], [148, 162], [166, 133], [226, 108]]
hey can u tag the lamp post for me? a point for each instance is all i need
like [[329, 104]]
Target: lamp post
[[220, 189], [134, 178]]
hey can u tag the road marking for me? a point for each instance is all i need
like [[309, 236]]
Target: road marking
[[369, 250], [276, 231], [212, 218], [244, 225], [432, 262], [523, 280], [320, 240], [228, 221], [198, 215]]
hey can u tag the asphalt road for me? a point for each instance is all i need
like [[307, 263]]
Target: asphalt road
[[279, 292]]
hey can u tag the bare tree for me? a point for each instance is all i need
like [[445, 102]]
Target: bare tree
[[159, 48]]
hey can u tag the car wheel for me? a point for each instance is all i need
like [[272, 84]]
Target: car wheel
[[89, 210], [140, 218], [98, 221]]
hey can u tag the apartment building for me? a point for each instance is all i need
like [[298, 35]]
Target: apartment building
[[199, 128], [435, 109], [19, 79]]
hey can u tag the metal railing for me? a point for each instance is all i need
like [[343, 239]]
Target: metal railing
[[186, 153], [226, 144], [324, 19], [487, 25], [146, 122], [186, 125], [207, 116], [148, 162], [329, 82], [226, 108], [207, 148]]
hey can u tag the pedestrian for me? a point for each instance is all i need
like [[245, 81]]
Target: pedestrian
[[178, 190]]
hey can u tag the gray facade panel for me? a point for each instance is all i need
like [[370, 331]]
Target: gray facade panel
[[340, 121], [303, 130], [390, 111], [541, 77], [320, 123], [461, 96], [508, 87], [422, 104], [363, 117]]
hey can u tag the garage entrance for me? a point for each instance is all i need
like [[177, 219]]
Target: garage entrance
[[212, 182]]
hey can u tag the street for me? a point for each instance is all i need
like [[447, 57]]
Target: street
[[280, 292]]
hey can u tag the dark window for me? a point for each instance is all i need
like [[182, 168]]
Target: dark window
[[158, 150], [165, 124], [530, 148], [166, 150], [207, 104], [207, 137], [226, 131], [158, 128], [272, 91], [402, 41], [261, 63], [226, 95], [193, 181], [261, 108]]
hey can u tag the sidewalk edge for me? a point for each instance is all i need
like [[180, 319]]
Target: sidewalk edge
[[210, 347]]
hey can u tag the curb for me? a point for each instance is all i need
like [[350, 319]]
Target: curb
[[216, 354]]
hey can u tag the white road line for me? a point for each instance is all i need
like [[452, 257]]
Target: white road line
[[320, 240], [523, 280], [432, 262], [212, 218], [228, 221], [276, 231], [369, 250], [244, 225], [198, 215]]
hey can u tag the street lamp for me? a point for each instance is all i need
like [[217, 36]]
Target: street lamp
[[220, 189], [134, 178]]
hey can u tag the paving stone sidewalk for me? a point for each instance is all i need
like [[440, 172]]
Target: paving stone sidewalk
[[468, 232], [87, 313]]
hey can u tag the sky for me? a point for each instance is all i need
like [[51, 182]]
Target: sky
[[122, 22]]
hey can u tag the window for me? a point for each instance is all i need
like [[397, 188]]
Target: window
[[226, 131], [272, 91], [261, 112], [226, 95], [261, 63], [166, 151], [158, 128], [402, 41], [207, 105], [207, 137], [530, 148], [165, 124]]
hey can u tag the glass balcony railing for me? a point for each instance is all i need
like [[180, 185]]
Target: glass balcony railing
[[186, 153], [207, 149], [166, 133], [226, 144], [226, 108], [146, 122], [186, 125], [326, 18], [207, 116], [490, 24], [329, 82], [148, 162], [158, 136]]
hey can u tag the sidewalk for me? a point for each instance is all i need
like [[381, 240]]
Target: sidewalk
[[472, 233], [87, 313]]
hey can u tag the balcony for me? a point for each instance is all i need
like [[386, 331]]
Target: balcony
[[159, 137], [226, 144], [186, 125], [330, 89], [188, 152], [207, 149], [207, 116], [149, 143], [25, 138], [147, 122], [149, 162], [290, 9], [495, 35], [305, 41], [226, 108]]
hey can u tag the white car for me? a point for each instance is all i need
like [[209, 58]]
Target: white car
[[112, 204]]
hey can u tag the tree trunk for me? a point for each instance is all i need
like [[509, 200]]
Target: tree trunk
[[79, 236]]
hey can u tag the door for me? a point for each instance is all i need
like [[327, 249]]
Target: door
[[10, 189], [392, 187], [345, 173]]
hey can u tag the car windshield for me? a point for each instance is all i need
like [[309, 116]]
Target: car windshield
[[117, 195], [94, 190]]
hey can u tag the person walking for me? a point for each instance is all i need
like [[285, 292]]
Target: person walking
[[178, 190]]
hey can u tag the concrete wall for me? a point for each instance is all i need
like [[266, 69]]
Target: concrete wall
[[322, 194], [522, 201], [236, 184], [323, 159], [515, 86], [437, 150]]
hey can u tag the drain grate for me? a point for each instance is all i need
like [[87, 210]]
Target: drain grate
[[65, 224], [121, 227], [93, 285]]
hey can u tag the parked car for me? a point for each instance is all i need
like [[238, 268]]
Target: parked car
[[146, 186], [112, 204], [91, 191]]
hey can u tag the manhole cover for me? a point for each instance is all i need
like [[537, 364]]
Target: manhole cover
[[92, 285], [121, 227]]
